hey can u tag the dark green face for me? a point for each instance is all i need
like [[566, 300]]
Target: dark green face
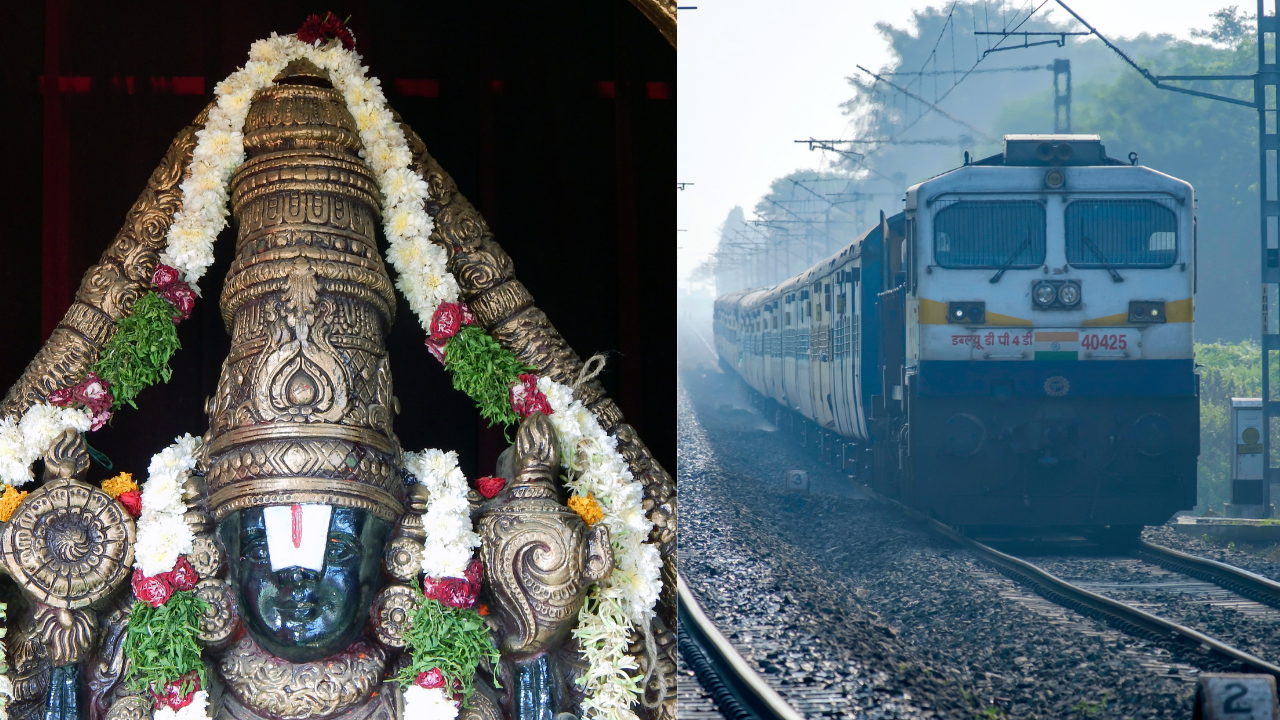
[[297, 613]]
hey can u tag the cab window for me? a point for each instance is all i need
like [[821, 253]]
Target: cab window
[[1121, 233], [989, 234]]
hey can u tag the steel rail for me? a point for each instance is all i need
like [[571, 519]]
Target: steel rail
[[1216, 654], [1237, 580], [739, 692]]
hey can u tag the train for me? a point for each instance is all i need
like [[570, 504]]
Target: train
[[1011, 352]]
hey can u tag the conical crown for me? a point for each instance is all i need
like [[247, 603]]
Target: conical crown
[[303, 409]]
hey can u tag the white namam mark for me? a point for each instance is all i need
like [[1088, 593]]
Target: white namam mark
[[296, 535]]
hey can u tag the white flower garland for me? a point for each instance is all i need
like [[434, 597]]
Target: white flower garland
[[447, 521], [446, 553], [594, 467], [26, 440], [420, 264], [162, 533]]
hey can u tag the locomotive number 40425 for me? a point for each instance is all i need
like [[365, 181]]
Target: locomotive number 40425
[[1104, 341]]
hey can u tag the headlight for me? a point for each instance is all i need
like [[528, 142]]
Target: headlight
[[1044, 293], [1069, 294]]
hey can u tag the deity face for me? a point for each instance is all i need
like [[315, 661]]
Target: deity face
[[304, 613]]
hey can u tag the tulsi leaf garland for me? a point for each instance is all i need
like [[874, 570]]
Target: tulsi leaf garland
[[485, 371], [451, 641], [160, 643], [137, 356]]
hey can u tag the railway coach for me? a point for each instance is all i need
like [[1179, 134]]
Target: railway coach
[[1014, 350]]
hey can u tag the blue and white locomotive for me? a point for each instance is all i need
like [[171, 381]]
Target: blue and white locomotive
[[1014, 349]]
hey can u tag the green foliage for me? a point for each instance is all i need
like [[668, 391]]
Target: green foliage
[[991, 712], [160, 643], [485, 371], [1227, 370], [137, 356], [452, 639], [1088, 709]]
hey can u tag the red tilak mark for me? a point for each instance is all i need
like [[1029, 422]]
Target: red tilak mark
[[296, 511]]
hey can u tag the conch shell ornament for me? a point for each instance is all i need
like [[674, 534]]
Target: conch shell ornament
[[541, 557]]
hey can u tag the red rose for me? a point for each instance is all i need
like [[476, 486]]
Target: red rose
[[490, 486], [153, 591], [475, 573], [93, 392], [132, 502], [450, 591], [432, 678], [63, 397], [468, 317], [446, 321], [334, 28], [182, 576], [164, 276], [99, 419], [527, 399], [326, 28], [311, 29], [180, 295], [437, 348], [173, 696]]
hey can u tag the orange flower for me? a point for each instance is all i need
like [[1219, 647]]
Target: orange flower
[[587, 508], [118, 485], [10, 501]]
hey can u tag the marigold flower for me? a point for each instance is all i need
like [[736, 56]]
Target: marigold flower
[[10, 501], [587, 508], [119, 485]]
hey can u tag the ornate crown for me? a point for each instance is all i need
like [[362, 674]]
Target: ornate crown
[[303, 408]]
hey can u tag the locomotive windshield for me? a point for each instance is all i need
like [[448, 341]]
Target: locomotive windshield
[[989, 234], [1121, 233]]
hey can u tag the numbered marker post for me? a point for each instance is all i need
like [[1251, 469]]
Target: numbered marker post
[[1248, 495], [1236, 696], [797, 482]]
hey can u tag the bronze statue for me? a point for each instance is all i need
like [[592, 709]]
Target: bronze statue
[[307, 533]]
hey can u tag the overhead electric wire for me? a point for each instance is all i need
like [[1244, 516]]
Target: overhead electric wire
[[1155, 79], [939, 110]]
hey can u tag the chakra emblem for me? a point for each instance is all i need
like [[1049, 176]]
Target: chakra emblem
[[1056, 386]]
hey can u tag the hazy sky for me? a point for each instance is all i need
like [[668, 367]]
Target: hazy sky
[[754, 75]]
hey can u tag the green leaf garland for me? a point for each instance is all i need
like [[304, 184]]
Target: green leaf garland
[[161, 642], [485, 371], [137, 356], [452, 639]]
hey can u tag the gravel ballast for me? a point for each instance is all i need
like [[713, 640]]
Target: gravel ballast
[[836, 594]]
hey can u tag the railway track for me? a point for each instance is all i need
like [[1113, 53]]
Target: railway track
[[1113, 635], [738, 691], [1210, 653], [1242, 582]]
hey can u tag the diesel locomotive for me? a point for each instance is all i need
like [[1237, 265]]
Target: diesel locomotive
[[1012, 351]]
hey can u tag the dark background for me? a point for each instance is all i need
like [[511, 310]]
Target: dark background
[[556, 119]]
